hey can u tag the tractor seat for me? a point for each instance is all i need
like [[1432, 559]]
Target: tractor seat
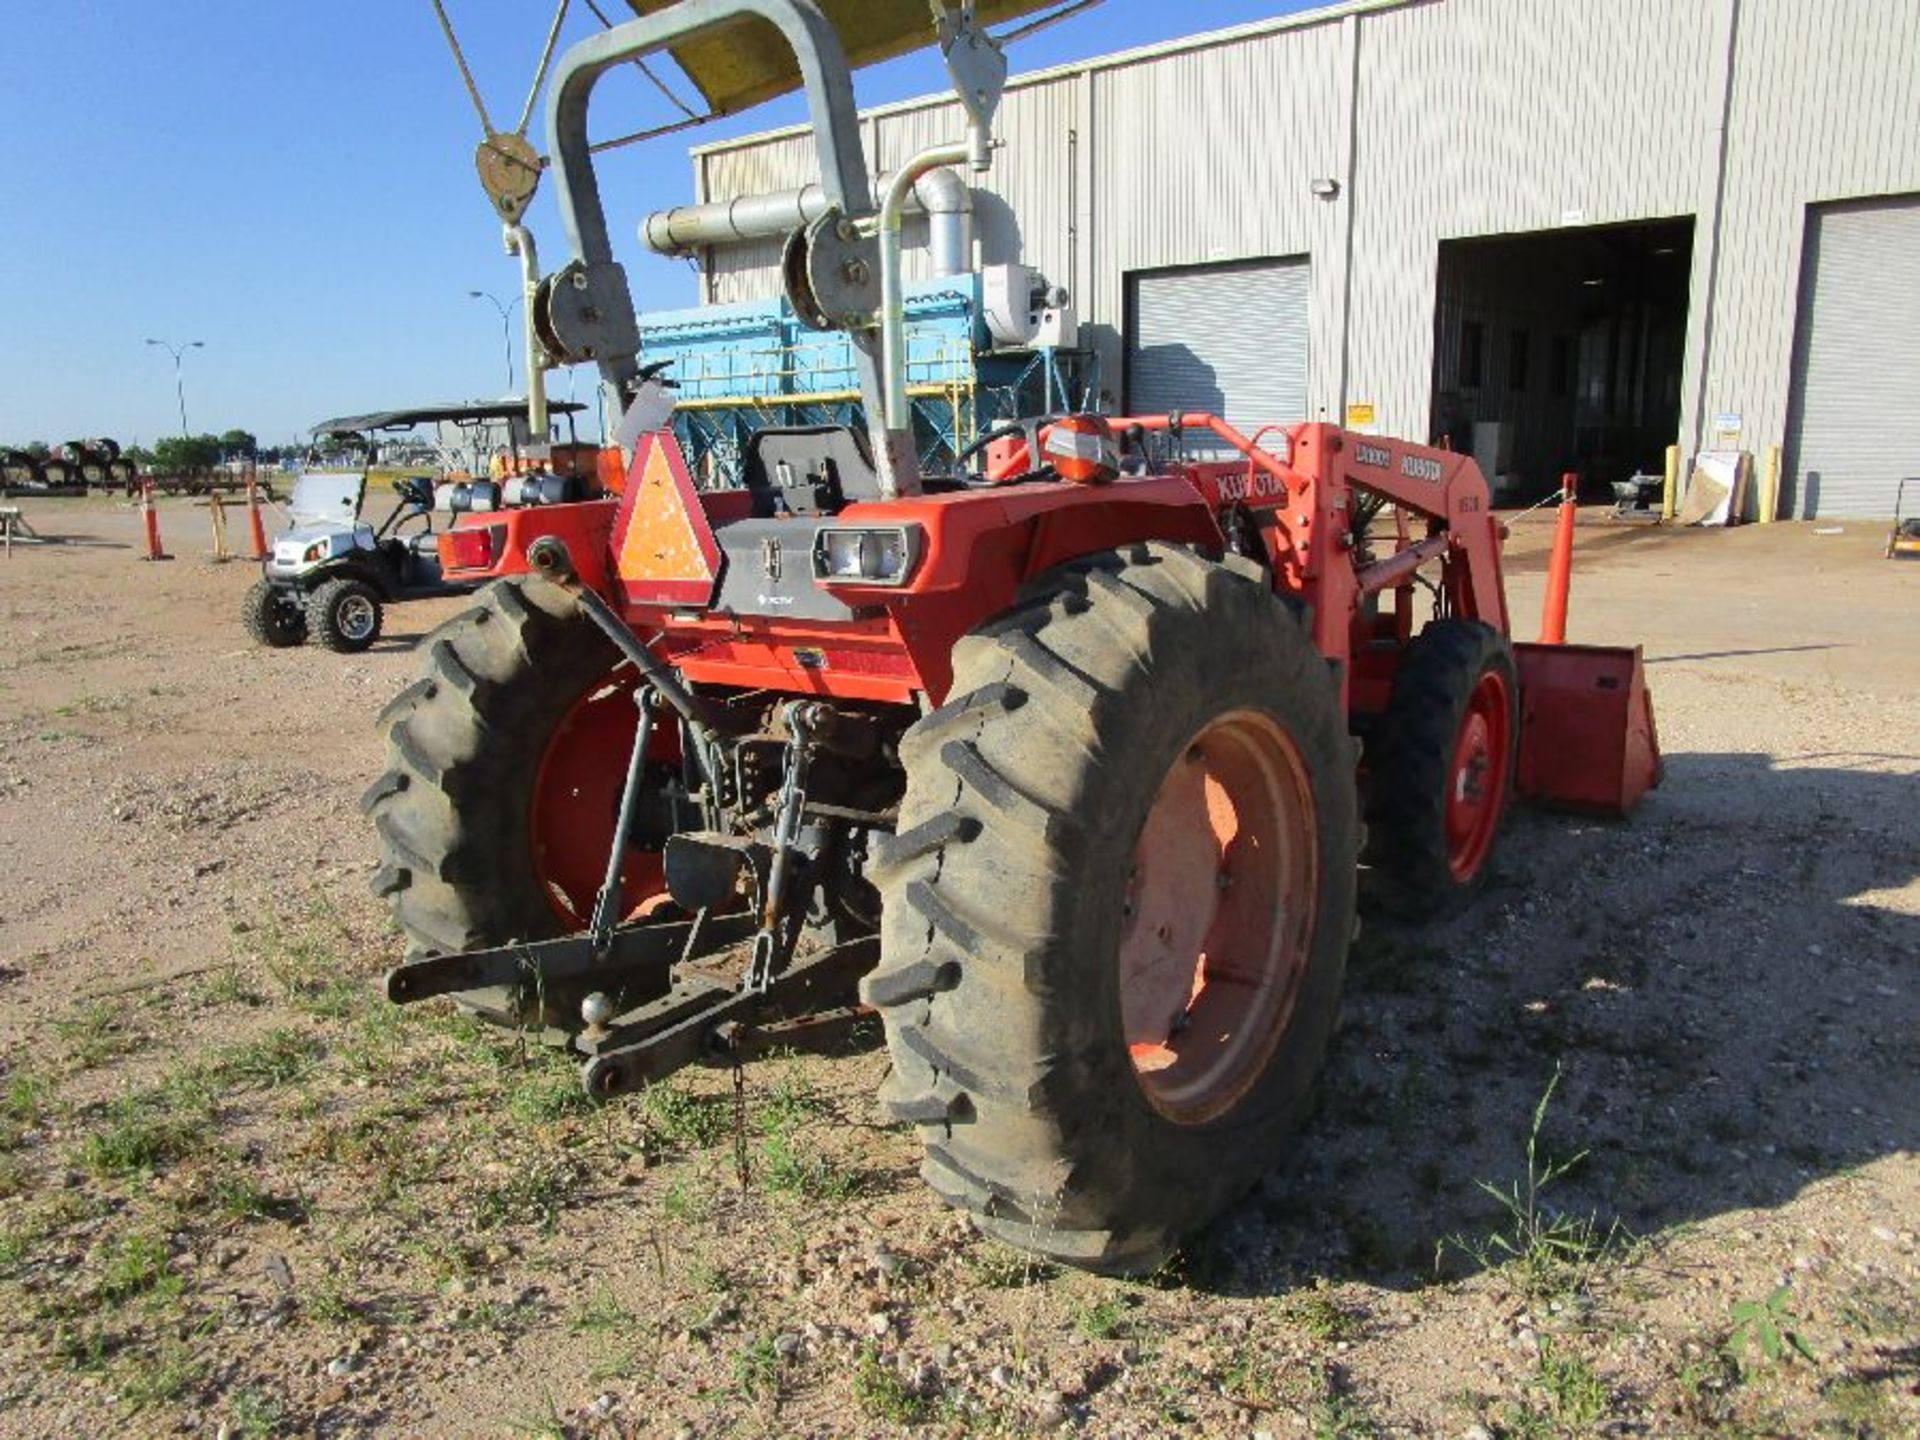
[[808, 470]]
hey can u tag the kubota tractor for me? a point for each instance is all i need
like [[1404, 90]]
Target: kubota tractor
[[1054, 764]]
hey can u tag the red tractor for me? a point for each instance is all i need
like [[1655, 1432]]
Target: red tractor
[[1056, 764]]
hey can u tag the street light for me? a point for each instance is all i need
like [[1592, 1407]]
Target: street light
[[179, 381], [506, 331]]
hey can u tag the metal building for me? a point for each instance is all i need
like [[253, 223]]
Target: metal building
[[1566, 233]]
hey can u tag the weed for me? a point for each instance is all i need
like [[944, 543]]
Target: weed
[[683, 1119], [545, 1095], [96, 1032], [28, 1098], [1766, 1325], [280, 1057], [535, 1194], [544, 1423], [224, 987], [1550, 1251], [162, 1374], [253, 1415], [1339, 1417], [791, 1102], [136, 1265], [1577, 1394], [1317, 1313], [1103, 1319], [139, 1134], [14, 1177], [1001, 1267], [704, 1275], [814, 1177], [1247, 1378], [756, 1369], [497, 1317], [603, 1312], [85, 1349], [882, 1393], [331, 1300]]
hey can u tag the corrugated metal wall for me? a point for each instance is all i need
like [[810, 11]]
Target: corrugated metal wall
[[1826, 106], [1440, 119]]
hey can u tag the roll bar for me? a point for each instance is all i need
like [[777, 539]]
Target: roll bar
[[587, 309]]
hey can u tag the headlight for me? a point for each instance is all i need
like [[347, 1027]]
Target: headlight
[[843, 555], [315, 551]]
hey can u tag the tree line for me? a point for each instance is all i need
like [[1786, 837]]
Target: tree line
[[187, 453]]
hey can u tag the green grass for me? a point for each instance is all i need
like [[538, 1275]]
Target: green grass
[[280, 1057], [687, 1121], [28, 1098], [1340, 1417], [159, 1375], [547, 1094], [96, 1032], [141, 1133], [133, 1266], [533, 1194], [785, 1170]]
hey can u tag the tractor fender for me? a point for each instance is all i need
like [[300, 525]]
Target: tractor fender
[[984, 548], [586, 526]]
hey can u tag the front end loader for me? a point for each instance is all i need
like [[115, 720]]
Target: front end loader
[[1067, 764]]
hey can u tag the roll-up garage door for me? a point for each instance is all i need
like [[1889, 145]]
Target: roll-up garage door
[[1225, 339], [1854, 422]]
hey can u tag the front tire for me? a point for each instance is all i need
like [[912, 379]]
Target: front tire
[[1440, 768], [1117, 910], [273, 618], [345, 615]]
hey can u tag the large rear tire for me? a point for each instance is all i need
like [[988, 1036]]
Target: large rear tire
[[1440, 769], [1117, 909], [504, 762]]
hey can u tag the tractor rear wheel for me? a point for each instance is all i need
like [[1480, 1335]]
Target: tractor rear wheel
[[504, 766], [1440, 768], [272, 618], [1117, 907], [344, 615]]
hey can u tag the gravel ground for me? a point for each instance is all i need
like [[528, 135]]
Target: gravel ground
[[239, 1195]]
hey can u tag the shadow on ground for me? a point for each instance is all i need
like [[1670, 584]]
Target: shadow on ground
[[1722, 982]]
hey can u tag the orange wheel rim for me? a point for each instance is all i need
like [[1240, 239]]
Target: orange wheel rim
[[1477, 776], [576, 800], [1218, 918]]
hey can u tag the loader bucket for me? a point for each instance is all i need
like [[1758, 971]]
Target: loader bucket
[[1587, 738]]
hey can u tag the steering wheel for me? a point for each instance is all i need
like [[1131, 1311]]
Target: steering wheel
[[1027, 428]]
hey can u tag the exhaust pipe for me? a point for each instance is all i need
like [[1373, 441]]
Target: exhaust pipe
[[941, 194]]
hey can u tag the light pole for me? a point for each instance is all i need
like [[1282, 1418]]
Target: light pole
[[179, 381], [506, 331]]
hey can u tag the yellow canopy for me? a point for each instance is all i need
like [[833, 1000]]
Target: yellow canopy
[[747, 63]]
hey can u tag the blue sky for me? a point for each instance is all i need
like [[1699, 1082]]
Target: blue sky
[[293, 185]]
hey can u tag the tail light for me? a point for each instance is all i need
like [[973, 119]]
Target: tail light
[[850, 555], [473, 547]]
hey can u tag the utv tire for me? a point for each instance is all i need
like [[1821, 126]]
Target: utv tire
[[271, 618], [345, 615], [1440, 769], [464, 753], [1082, 1093]]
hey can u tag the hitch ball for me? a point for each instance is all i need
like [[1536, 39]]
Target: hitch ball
[[596, 1009]]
